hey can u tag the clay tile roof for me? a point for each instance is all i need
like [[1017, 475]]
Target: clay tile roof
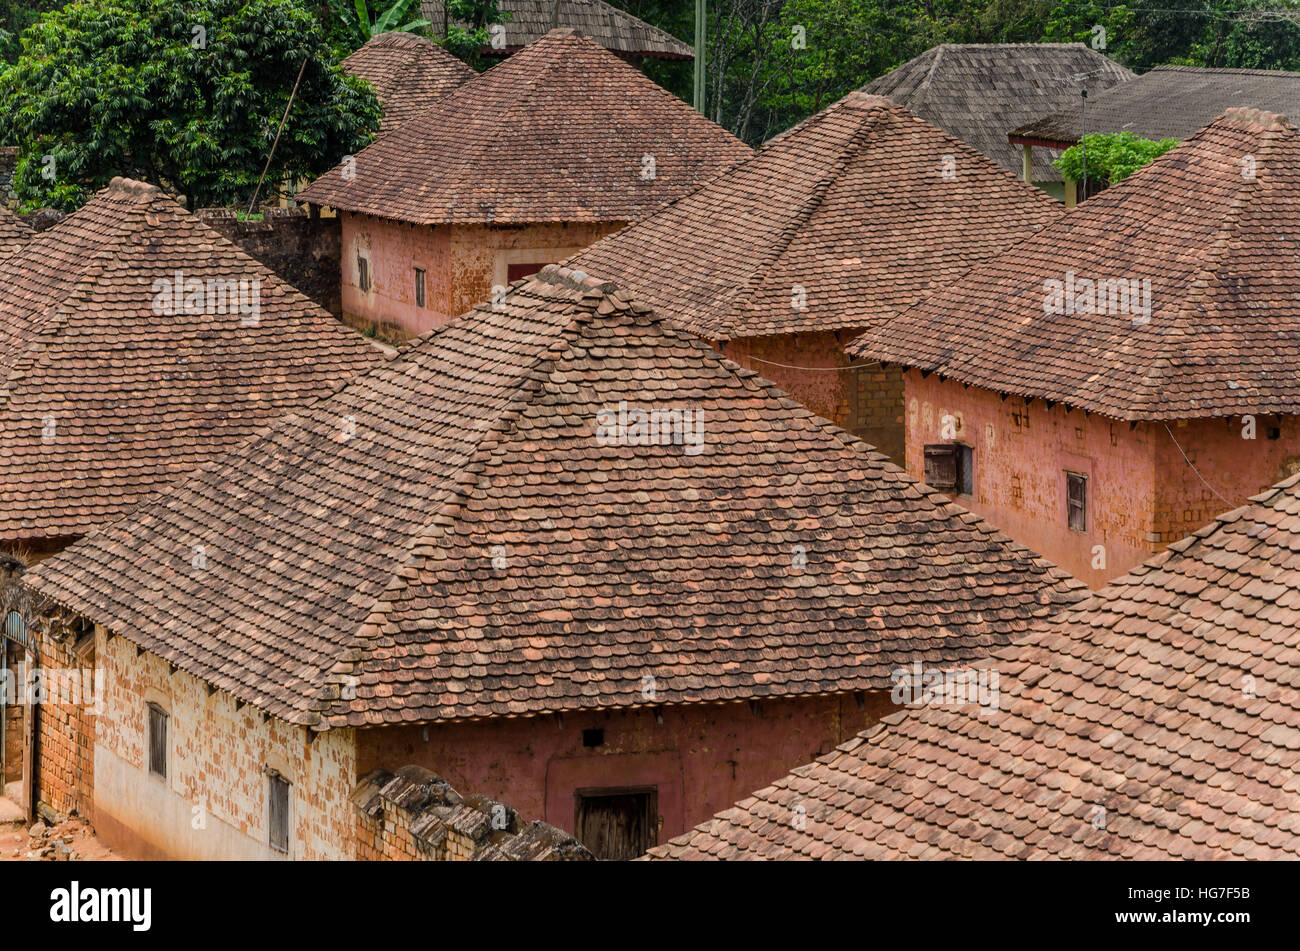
[[980, 92], [864, 206], [408, 72], [614, 29], [453, 535], [14, 232], [1159, 719], [103, 400], [558, 132], [1170, 102], [1208, 235]]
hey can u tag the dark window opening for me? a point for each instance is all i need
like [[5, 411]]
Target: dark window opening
[[363, 274], [617, 824], [1076, 501], [515, 272], [593, 737], [419, 287], [279, 810], [1275, 432], [157, 741], [950, 467]]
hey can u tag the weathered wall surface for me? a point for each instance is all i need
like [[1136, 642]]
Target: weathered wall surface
[[64, 755], [702, 758], [1142, 495], [867, 400], [1022, 454], [213, 802], [301, 249], [461, 265]]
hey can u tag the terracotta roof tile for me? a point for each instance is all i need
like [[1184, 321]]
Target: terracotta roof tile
[[14, 232], [450, 536], [1207, 235], [981, 91], [1148, 722], [102, 399], [408, 72], [864, 206], [558, 132]]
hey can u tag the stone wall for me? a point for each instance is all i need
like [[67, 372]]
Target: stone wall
[[302, 250]]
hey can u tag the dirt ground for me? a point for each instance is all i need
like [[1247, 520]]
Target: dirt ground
[[72, 840]]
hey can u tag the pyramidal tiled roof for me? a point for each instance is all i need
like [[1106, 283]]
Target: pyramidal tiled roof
[[616, 30], [409, 73], [864, 207], [110, 387], [1160, 719], [979, 92], [472, 530], [1199, 315], [562, 131], [14, 232]]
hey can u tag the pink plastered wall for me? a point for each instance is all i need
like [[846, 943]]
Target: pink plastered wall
[[701, 758], [462, 263], [1142, 494]]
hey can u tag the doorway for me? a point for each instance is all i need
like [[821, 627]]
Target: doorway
[[617, 824]]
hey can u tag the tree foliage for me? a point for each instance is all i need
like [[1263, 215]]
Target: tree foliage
[[1110, 157], [358, 24], [189, 96]]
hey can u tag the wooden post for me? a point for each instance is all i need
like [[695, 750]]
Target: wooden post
[[1070, 195], [1027, 163]]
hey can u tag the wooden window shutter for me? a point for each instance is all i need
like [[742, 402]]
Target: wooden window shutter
[[1076, 501], [157, 741], [278, 808], [941, 466]]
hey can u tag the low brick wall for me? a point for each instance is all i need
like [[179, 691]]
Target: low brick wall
[[301, 249], [415, 815]]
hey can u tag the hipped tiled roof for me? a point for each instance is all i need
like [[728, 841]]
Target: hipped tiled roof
[[1169, 102], [562, 131], [14, 232], [981, 91], [864, 208], [1208, 235], [409, 73], [104, 399], [452, 536], [614, 29], [1160, 719]]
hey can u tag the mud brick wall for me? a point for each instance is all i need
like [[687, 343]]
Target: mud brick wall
[[64, 757], [301, 249]]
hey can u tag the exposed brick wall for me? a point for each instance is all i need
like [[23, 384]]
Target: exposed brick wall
[[701, 758], [462, 263], [213, 802], [866, 400], [64, 755], [301, 249]]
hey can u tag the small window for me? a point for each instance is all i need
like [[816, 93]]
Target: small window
[[363, 274], [950, 467], [1076, 501], [594, 737], [278, 807], [157, 741], [419, 287]]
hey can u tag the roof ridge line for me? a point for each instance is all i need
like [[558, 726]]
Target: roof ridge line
[[790, 231], [1243, 196]]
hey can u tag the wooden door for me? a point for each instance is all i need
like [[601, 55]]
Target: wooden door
[[617, 824]]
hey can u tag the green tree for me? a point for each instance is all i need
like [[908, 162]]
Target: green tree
[[358, 25], [1110, 157], [466, 30], [189, 96]]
